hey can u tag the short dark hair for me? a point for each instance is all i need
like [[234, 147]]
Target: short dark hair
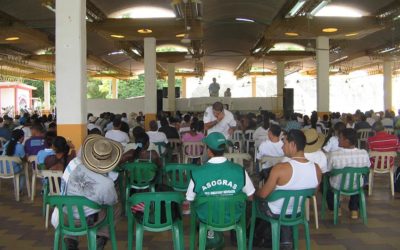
[[116, 123], [275, 129], [378, 126], [153, 125], [95, 131], [297, 136], [218, 106], [350, 134], [339, 126]]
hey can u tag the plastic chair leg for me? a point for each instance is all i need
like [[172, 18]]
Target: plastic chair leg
[[335, 208], [296, 237], [91, 239], [252, 226], [46, 223], [16, 186], [371, 181], [324, 193], [33, 185], [111, 229], [139, 236], [276, 235], [307, 235], [391, 181], [57, 237], [241, 241], [315, 211], [307, 205], [177, 235], [202, 236], [363, 207]]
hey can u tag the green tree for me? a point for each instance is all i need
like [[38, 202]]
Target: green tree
[[96, 89], [39, 92]]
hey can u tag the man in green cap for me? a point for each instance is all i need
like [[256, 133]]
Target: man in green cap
[[218, 176]]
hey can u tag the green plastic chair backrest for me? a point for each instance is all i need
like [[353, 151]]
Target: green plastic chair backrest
[[140, 174], [295, 197], [161, 147], [71, 204], [159, 208], [178, 175], [220, 211], [350, 182]]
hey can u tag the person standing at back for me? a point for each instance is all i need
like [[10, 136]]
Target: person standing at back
[[214, 88]]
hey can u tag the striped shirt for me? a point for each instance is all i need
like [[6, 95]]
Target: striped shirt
[[384, 142], [346, 157]]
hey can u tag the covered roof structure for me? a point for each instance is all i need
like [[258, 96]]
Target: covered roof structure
[[231, 35]]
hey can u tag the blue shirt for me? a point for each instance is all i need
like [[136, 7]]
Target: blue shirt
[[42, 154], [20, 152]]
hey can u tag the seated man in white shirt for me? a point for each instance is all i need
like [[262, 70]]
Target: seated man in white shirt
[[156, 136], [271, 147], [347, 156], [296, 174], [116, 134]]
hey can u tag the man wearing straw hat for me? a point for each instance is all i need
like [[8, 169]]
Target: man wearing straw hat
[[312, 151], [89, 179]]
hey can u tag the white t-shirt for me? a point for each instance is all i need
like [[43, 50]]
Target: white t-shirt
[[118, 135], [319, 158], [222, 126], [332, 145], [269, 148], [156, 136], [260, 135]]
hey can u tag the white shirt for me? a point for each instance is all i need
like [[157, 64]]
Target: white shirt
[[91, 126], [387, 122], [248, 188], [332, 145], [269, 148], [260, 135], [156, 136], [118, 135], [319, 158], [223, 126]]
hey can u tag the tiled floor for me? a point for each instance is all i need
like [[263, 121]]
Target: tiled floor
[[22, 226]]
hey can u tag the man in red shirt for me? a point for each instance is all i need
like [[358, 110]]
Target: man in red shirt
[[383, 141]]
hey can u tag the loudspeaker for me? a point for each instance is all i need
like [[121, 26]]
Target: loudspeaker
[[177, 92], [159, 99], [288, 100]]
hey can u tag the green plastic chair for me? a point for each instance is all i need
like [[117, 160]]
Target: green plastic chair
[[67, 225], [178, 175], [352, 187], [223, 213], [155, 205], [164, 151], [293, 219], [139, 175]]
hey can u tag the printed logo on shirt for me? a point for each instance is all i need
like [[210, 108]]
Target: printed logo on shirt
[[219, 183]]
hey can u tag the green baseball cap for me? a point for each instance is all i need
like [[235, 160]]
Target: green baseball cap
[[215, 140]]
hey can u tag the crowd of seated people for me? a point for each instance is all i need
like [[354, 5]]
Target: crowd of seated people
[[319, 142]]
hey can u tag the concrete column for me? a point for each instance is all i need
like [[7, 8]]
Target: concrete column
[[183, 87], [253, 86], [322, 52], [114, 88], [46, 87], [388, 85], [71, 82], [280, 83], [171, 87], [150, 86]]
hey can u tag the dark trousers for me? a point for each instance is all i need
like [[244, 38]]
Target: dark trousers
[[353, 203], [286, 231]]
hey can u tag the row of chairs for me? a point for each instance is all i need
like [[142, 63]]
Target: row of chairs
[[222, 214], [363, 134]]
